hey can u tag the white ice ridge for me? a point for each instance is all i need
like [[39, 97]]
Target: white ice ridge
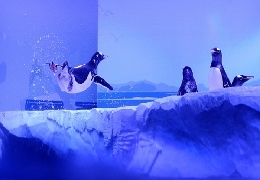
[[198, 135]]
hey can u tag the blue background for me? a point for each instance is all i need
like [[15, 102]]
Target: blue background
[[153, 40]]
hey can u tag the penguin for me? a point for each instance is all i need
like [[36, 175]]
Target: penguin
[[217, 75], [239, 80], [78, 79], [188, 84]]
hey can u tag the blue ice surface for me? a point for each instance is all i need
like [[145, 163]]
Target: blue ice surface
[[208, 134], [120, 99]]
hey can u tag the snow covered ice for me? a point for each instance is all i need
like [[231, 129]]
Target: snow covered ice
[[198, 135]]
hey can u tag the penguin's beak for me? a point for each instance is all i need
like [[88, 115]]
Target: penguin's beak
[[105, 56], [215, 50], [248, 77]]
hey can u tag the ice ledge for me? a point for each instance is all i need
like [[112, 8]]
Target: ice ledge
[[197, 135]]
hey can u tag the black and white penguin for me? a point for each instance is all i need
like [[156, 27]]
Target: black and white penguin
[[239, 80], [78, 79], [188, 84], [217, 75]]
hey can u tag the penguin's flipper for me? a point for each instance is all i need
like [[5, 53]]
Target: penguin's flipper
[[225, 79], [181, 89], [101, 81]]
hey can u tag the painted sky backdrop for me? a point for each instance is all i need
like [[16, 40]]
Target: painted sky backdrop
[[154, 39]]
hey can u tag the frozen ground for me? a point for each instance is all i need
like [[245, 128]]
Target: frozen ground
[[199, 135]]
